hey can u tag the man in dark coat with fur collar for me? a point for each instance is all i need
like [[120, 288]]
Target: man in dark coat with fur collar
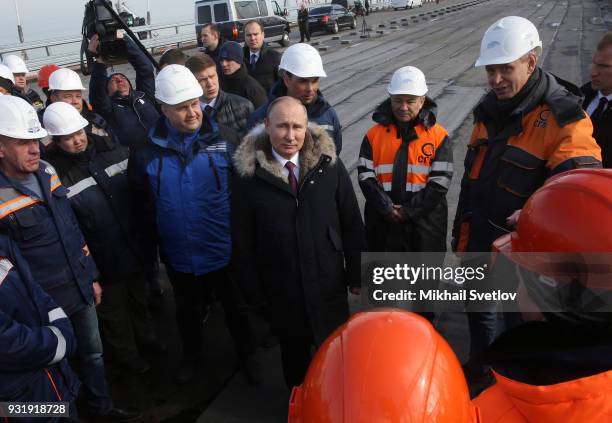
[[297, 231]]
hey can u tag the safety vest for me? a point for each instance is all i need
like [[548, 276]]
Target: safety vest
[[385, 142]]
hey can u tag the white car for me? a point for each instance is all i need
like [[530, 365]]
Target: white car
[[405, 4]]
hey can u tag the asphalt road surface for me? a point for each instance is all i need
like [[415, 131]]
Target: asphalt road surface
[[445, 47], [443, 41]]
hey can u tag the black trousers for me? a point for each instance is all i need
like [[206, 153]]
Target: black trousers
[[124, 317], [304, 31], [296, 353], [191, 293]]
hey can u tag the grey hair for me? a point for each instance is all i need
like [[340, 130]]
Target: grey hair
[[536, 51]]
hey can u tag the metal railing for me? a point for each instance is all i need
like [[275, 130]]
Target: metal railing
[[66, 51]]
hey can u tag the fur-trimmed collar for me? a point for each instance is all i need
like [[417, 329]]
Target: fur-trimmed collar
[[256, 150]]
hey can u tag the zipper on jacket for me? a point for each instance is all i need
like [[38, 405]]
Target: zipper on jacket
[[211, 163], [136, 111], [59, 397], [310, 173], [159, 170]]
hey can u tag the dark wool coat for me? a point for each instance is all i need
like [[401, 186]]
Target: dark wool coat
[[297, 253], [265, 70], [99, 194], [602, 129], [244, 85]]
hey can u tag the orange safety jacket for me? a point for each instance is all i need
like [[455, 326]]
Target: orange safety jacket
[[427, 164], [540, 138], [587, 399], [385, 142]]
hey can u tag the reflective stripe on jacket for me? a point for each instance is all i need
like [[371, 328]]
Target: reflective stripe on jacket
[[36, 336], [423, 153], [545, 135], [422, 158], [48, 235], [99, 194]]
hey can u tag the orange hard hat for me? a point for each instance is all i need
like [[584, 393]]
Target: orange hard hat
[[44, 73], [383, 366], [565, 229]]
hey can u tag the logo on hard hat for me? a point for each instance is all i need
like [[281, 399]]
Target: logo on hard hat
[[33, 126]]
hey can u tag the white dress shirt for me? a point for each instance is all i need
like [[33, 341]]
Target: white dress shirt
[[211, 104], [595, 102], [251, 53], [295, 160]]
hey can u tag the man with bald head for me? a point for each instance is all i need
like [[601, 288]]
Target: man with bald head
[[297, 231]]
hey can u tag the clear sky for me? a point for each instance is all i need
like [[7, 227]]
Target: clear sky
[[42, 19]]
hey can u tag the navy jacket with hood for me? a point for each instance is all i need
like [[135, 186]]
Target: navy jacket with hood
[[129, 117], [49, 237], [319, 112], [98, 191], [35, 337], [181, 192]]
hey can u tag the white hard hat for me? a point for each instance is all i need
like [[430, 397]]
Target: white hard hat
[[63, 119], [65, 80], [507, 40], [6, 73], [175, 84], [18, 119], [15, 64], [407, 80], [302, 60]]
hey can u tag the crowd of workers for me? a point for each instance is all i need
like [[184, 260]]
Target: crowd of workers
[[226, 166]]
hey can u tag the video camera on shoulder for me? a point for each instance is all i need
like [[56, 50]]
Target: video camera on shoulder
[[99, 19]]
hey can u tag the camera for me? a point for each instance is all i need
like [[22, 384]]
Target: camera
[[99, 20]]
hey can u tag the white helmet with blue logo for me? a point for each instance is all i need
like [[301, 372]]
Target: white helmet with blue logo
[[18, 119]]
